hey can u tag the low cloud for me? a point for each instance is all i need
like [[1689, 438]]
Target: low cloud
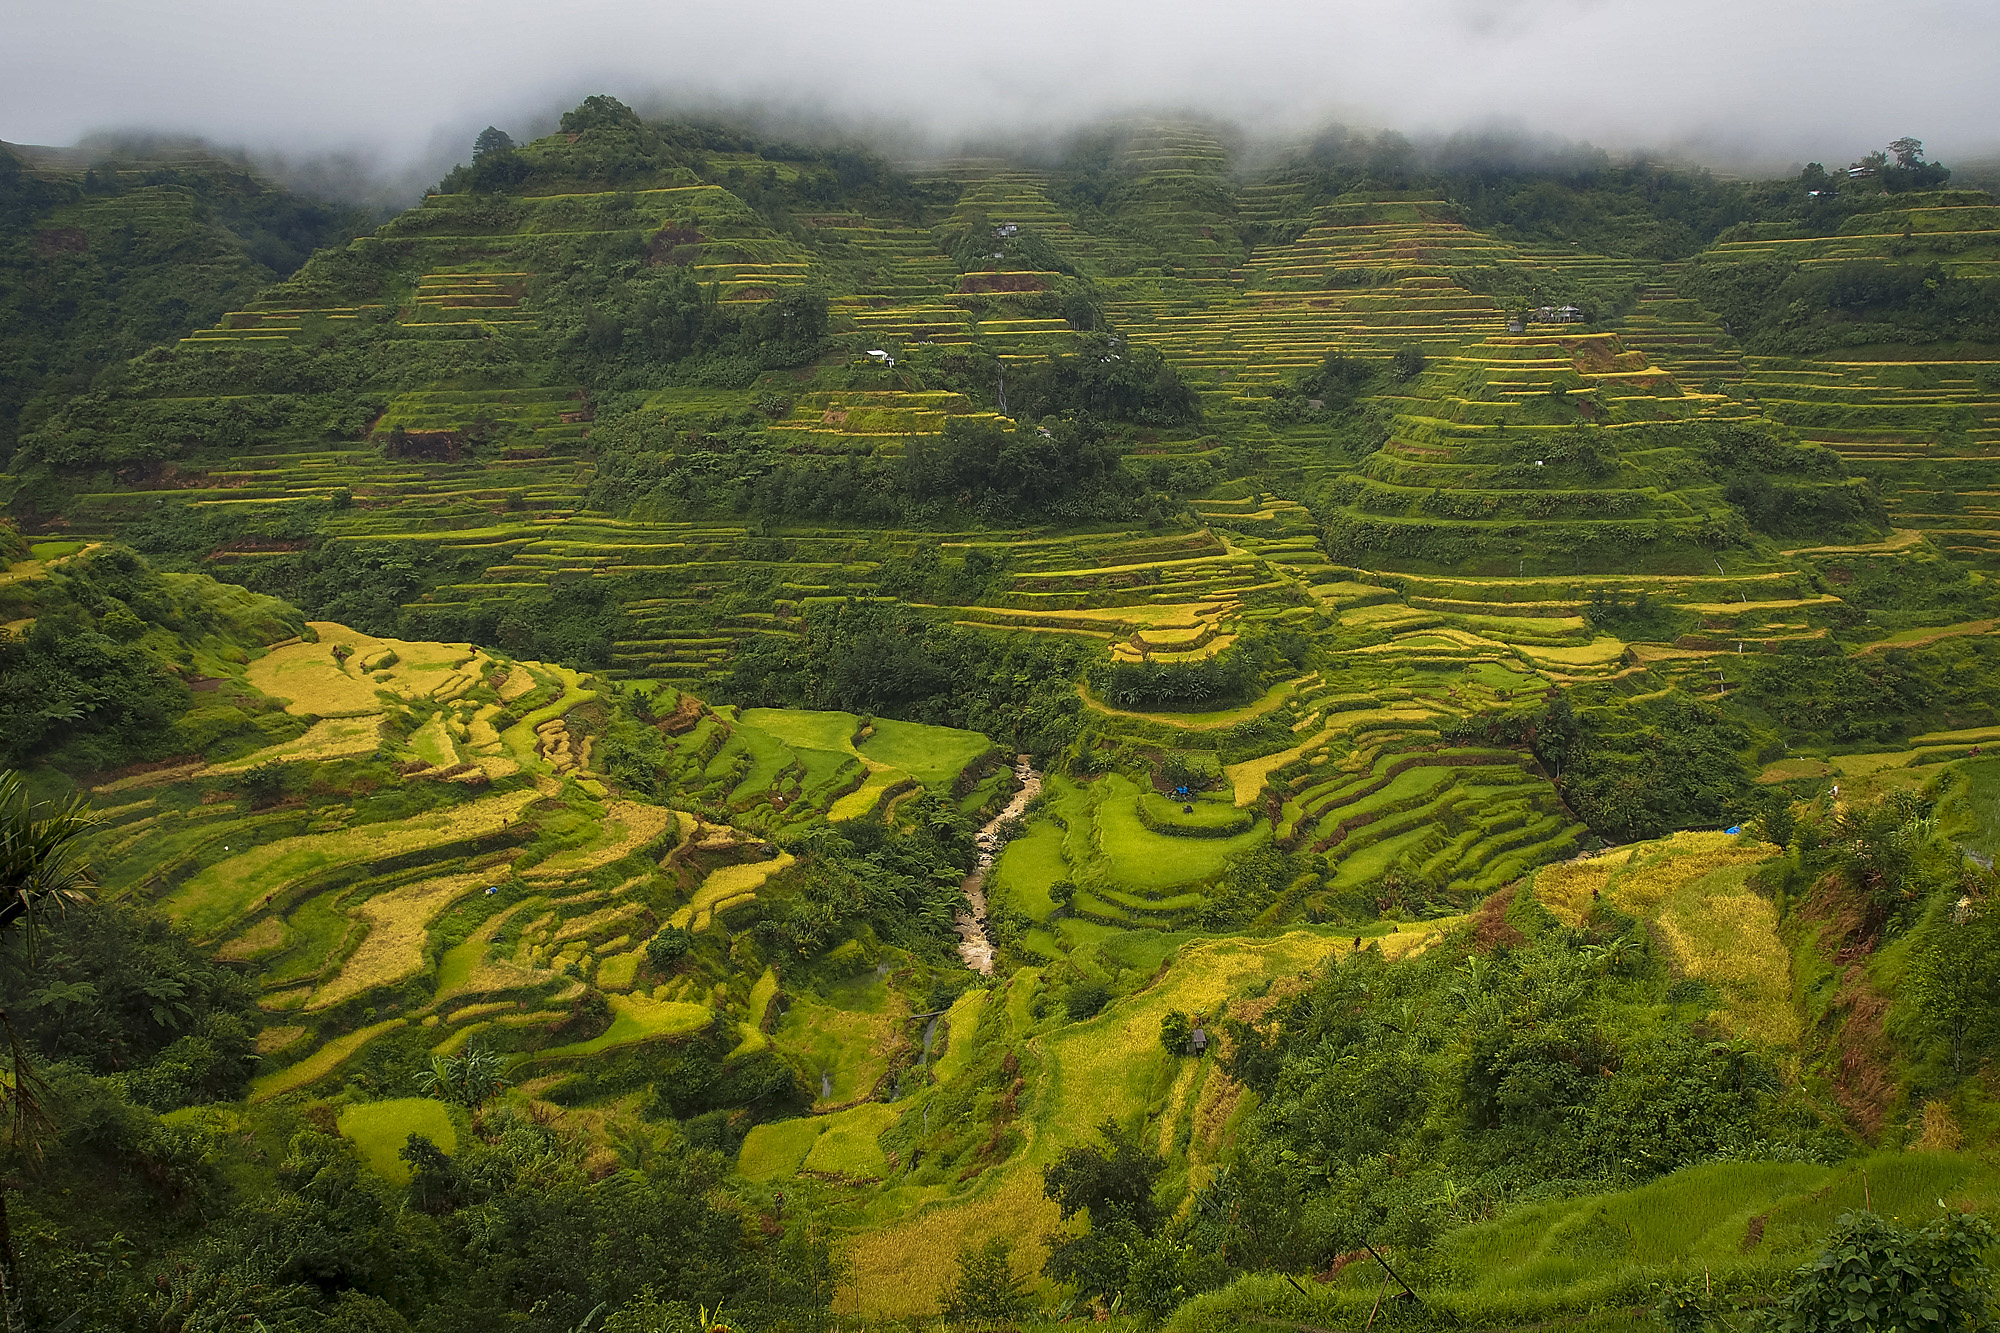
[[399, 89]]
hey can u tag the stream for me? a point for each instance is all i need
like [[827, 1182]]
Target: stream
[[974, 945]]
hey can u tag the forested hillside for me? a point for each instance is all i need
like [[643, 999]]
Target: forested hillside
[[106, 254], [699, 731]]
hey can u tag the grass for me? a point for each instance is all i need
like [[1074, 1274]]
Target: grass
[[636, 1018], [461, 964], [1694, 888], [520, 738], [1792, 770], [1206, 816], [1970, 810], [1585, 1251], [933, 756], [823, 744], [1144, 861], [617, 971], [309, 677], [1722, 931], [843, 1048], [863, 799], [806, 730], [220, 893], [847, 1146], [775, 1151], [432, 743], [761, 994], [960, 1023], [627, 826], [1027, 867], [729, 884], [327, 739], [320, 1063], [378, 1130], [1657, 869], [397, 929], [1565, 889], [1723, 1222], [1247, 779]]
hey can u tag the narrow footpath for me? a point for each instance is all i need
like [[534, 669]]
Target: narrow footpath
[[975, 946]]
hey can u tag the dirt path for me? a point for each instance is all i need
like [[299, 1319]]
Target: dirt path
[[973, 944]]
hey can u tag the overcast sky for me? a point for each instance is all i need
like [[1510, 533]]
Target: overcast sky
[[407, 83]]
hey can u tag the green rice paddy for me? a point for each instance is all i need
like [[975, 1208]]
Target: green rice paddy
[[380, 1129]]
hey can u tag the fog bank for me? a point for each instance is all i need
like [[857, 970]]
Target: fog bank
[[397, 90]]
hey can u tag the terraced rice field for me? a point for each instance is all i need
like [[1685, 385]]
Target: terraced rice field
[[1451, 571], [1110, 1066], [380, 1129]]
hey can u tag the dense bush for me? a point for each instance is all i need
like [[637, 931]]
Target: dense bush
[[1778, 305], [1874, 1273], [1106, 377], [1645, 770], [97, 679], [97, 270], [114, 991], [891, 661]]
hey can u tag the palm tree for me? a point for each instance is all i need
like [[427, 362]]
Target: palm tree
[[42, 866], [469, 1079], [42, 870]]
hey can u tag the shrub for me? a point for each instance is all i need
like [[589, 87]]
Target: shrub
[[986, 1290], [668, 947], [1875, 1274], [1175, 1032], [1084, 1000], [264, 785]]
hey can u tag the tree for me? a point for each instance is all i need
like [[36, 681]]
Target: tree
[[491, 140], [1884, 851], [1084, 999], [986, 1289], [264, 784], [1910, 171], [1874, 1274], [1110, 1180], [42, 867], [1952, 978], [495, 163], [467, 1079], [42, 870], [1408, 362], [1338, 381], [1175, 1032], [668, 947]]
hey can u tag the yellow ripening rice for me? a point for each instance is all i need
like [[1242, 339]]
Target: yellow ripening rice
[[398, 922]]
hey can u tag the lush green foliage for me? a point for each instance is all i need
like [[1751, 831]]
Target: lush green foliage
[[871, 658], [100, 677], [987, 1289], [94, 271], [1398, 1099], [115, 992], [1876, 1274], [1784, 306]]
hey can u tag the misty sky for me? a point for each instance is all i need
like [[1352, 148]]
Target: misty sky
[[406, 83]]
